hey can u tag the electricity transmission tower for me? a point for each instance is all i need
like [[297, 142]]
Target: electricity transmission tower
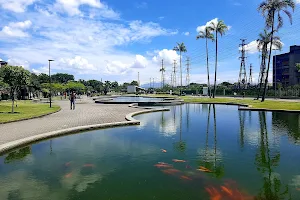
[[162, 70], [250, 82], [187, 71], [243, 74]]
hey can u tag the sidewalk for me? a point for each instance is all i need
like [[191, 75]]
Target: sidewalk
[[86, 113]]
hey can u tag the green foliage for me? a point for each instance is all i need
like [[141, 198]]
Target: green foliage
[[14, 76], [298, 66], [43, 78], [75, 86], [62, 78], [134, 83]]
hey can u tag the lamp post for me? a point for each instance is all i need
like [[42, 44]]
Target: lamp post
[[50, 82]]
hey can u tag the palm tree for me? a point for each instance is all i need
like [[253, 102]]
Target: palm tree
[[262, 44], [218, 27], [162, 70], [269, 8], [180, 48], [208, 36]]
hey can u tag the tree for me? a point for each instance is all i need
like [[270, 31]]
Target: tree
[[34, 83], [62, 78], [218, 27], [15, 77], [75, 86], [134, 83], [262, 44], [207, 35], [268, 9], [43, 78], [180, 48], [298, 66]]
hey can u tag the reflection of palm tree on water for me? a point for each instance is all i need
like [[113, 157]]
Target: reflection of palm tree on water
[[181, 145], [265, 164], [213, 165], [242, 128]]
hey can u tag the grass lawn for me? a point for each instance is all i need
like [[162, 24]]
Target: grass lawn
[[268, 104], [25, 110]]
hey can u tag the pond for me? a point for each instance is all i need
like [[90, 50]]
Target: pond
[[136, 99], [191, 152]]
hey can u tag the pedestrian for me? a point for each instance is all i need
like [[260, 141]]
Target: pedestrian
[[72, 100]]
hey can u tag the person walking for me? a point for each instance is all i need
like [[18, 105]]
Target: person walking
[[72, 100]]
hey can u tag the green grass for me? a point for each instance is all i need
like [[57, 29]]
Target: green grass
[[25, 110], [268, 104]]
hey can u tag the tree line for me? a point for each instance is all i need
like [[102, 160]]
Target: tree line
[[19, 83]]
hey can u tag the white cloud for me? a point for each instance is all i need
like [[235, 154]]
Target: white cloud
[[202, 28], [140, 62], [44, 70], [162, 17], [17, 6], [186, 33], [167, 55], [17, 62], [72, 6], [16, 29], [78, 63], [298, 1], [252, 47]]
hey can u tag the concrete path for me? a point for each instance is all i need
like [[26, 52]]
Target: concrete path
[[86, 113]]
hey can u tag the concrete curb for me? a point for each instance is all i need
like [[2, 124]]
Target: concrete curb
[[29, 140], [39, 116], [248, 107]]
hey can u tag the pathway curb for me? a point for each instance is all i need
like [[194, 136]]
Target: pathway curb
[[5, 148]]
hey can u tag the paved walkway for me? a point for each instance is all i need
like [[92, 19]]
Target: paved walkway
[[86, 113]]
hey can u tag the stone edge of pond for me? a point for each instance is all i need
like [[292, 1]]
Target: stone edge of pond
[[246, 107], [39, 116], [10, 146]]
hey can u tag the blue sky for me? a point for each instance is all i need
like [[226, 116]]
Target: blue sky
[[114, 40]]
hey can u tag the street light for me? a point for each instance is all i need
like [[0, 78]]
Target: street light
[[50, 82]]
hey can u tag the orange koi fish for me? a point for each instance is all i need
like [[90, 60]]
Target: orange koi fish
[[185, 178], [88, 165], [68, 164], [68, 175], [178, 161], [214, 193], [203, 169], [225, 189], [173, 170], [163, 165], [163, 150], [298, 189]]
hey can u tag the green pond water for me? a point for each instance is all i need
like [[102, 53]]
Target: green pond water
[[253, 154]]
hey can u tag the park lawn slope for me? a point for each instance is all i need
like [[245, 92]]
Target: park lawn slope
[[268, 104], [25, 110]]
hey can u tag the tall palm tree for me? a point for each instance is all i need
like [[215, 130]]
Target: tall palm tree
[[269, 8], [208, 36], [263, 42], [218, 27], [180, 48]]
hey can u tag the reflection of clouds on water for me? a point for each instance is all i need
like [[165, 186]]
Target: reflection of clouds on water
[[210, 155], [25, 187], [253, 138], [296, 181], [274, 176], [80, 181], [164, 121]]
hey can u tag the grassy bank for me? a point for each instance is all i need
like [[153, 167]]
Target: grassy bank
[[25, 110], [268, 104]]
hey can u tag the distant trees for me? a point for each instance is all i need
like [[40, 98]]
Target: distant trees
[[62, 78]]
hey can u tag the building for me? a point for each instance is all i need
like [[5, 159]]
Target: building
[[284, 67], [2, 63]]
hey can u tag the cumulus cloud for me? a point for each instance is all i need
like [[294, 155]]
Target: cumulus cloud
[[167, 55], [17, 6], [17, 62], [140, 62], [202, 28], [252, 47], [16, 29]]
